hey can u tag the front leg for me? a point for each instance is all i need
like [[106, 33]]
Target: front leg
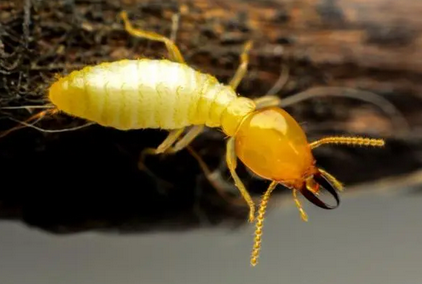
[[231, 160]]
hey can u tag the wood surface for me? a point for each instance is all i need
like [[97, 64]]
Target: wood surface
[[357, 62]]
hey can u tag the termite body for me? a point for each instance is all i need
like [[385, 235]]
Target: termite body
[[148, 93], [170, 95]]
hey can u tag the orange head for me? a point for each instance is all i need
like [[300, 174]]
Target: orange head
[[273, 145]]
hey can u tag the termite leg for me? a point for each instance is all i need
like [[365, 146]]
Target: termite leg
[[270, 99], [243, 67], [174, 52], [267, 101], [186, 140], [215, 179], [166, 147], [167, 143], [231, 161]]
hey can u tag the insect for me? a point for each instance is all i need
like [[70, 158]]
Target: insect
[[168, 94]]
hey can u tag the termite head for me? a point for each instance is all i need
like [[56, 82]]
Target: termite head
[[273, 145]]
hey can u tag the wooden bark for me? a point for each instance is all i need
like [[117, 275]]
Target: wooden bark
[[361, 44], [360, 61]]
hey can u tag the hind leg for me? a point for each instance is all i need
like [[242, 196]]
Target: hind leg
[[166, 147], [267, 101], [243, 67], [166, 144], [186, 140], [270, 99], [173, 50]]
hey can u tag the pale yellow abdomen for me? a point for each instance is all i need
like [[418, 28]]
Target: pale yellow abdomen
[[134, 94]]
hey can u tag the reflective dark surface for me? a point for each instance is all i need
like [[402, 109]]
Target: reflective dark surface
[[368, 239]]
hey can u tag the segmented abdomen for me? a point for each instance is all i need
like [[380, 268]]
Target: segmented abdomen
[[133, 94]]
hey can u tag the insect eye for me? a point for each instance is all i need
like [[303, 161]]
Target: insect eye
[[324, 184]]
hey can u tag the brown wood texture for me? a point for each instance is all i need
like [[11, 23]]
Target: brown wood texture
[[366, 44], [358, 63]]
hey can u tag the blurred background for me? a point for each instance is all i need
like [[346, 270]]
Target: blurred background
[[75, 207]]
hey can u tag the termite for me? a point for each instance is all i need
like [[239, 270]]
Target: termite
[[170, 95]]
